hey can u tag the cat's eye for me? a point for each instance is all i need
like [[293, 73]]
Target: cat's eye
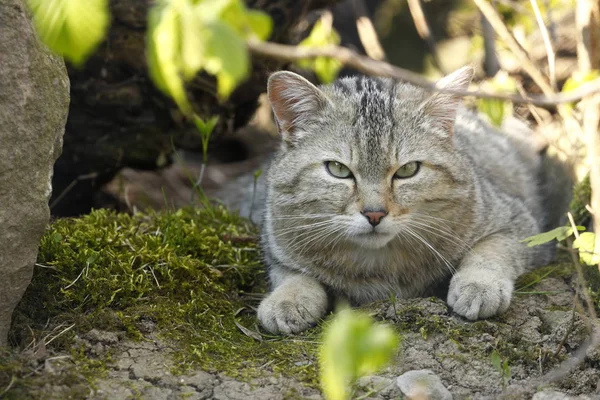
[[408, 170], [338, 170]]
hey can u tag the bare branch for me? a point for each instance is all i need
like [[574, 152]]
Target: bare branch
[[366, 32], [547, 43], [369, 66], [418, 16], [494, 19]]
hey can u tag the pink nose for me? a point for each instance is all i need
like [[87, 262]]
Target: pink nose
[[374, 217]]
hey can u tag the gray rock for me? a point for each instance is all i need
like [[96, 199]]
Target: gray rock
[[34, 101], [379, 385], [422, 384], [555, 395]]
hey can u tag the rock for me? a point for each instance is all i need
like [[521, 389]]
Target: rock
[[383, 387], [34, 101], [422, 384], [555, 395]]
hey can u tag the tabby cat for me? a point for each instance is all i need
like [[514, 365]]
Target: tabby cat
[[384, 189]]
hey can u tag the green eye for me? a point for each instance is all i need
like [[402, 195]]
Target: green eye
[[338, 170], [407, 170]]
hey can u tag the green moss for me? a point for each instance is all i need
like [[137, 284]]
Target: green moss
[[186, 272], [562, 268], [509, 343], [582, 193]]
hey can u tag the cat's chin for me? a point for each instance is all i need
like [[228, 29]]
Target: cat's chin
[[372, 240]]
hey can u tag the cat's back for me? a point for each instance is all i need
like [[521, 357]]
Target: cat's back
[[506, 158]]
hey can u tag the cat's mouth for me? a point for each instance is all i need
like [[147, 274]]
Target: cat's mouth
[[373, 239]]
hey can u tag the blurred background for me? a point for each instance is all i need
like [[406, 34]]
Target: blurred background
[[127, 146]]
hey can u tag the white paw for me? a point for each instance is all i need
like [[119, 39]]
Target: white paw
[[293, 308], [479, 294]]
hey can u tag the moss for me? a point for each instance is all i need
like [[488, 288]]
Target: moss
[[509, 342], [562, 268], [186, 272], [582, 193]]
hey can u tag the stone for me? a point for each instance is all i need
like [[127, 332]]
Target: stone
[[34, 102], [422, 384]]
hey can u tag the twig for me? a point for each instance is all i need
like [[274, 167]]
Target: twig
[[369, 66], [366, 31], [418, 16], [496, 21], [547, 43], [490, 63]]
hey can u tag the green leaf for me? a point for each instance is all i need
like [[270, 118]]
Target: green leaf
[[577, 80], [226, 57], [585, 243], [205, 129], [186, 37], [260, 24], [163, 53], [580, 78], [495, 109], [322, 35], [71, 28], [353, 345], [192, 43], [496, 360], [560, 233]]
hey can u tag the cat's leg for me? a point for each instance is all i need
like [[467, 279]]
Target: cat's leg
[[484, 283], [296, 303]]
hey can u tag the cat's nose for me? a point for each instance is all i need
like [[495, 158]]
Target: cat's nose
[[374, 216]]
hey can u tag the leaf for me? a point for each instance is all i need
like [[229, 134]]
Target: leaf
[[578, 79], [495, 109], [226, 57], [248, 332], [260, 24], [322, 35], [192, 43], [353, 345], [585, 243], [496, 360], [164, 62], [560, 233], [71, 28]]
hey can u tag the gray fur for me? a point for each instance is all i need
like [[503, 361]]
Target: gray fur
[[460, 218]]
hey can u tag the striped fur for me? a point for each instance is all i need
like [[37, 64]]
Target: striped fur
[[459, 219]]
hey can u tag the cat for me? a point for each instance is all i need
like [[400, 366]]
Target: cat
[[382, 189]]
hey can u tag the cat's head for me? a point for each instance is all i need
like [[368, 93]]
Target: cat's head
[[363, 157]]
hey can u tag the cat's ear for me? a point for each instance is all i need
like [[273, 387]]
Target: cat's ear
[[443, 106], [294, 100]]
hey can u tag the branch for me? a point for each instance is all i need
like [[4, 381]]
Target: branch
[[366, 31], [496, 21], [372, 67], [546, 37], [418, 16]]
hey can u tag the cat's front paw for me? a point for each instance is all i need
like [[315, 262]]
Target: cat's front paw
[[293, 308], [479, 294]]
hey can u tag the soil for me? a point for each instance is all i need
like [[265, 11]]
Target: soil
[[537, 333]]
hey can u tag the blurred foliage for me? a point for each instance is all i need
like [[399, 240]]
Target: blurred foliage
[[186, 37], [71, 28], [497, 110], [577, 80], [322, 35], [353, 346]]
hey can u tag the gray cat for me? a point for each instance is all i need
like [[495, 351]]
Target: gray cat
[[385, 189]]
